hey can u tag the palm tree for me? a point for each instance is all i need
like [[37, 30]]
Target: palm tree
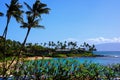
[[58, 44], [33, 17], [45, 44], [53, 45], [49, 44], [92, 48], [65, 45], [14, 9]]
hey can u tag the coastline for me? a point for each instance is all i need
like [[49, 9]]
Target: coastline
[[37, 58]]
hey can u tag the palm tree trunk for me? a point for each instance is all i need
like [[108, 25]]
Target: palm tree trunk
[[19, 53], [24, 42], [6, 28], [4, 53]]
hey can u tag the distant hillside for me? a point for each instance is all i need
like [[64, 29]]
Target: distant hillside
[[108, 47]]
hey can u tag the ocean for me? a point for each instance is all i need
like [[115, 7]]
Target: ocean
[[111, 57]]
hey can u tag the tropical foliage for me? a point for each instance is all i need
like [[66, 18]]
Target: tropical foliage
[[12, 51], [14, 9], [33, 17], [12, 47], [50, 49], [65, 69]]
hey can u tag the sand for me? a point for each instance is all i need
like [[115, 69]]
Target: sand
[[37, 58]]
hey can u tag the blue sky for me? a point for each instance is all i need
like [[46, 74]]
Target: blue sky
[[92, 21]]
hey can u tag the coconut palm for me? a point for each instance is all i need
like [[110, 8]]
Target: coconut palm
[[44, 44], [53, 45], [14, 9], [33, 17], [92, 48]]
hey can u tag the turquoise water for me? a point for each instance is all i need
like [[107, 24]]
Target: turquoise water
[[109, 53], [112, 57]]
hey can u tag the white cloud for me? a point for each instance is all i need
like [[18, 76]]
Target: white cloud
[[104, 40]]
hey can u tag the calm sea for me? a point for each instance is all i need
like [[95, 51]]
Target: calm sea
[[112, 57]]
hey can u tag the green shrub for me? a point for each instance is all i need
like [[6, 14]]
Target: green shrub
[[59, 55], [65, 69]]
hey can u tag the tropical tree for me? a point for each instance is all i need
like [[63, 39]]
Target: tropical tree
[[14, 9], [49, 44], [33, 17], [53, 45], [92, 48], [44, 44], [58, 45]]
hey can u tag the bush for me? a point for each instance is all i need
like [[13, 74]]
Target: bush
[[65, 69]]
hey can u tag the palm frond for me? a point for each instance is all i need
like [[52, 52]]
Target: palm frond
[[1, 14], [45, 10], [36, 5], [39, 26], [36, 22], [7, 5], [28, 6], [14, 1], [30, 19], [14, 10], [42, 5], [28, 12], [19, 5], [24, 25], [39, 7], [34, 14], [18, 18]]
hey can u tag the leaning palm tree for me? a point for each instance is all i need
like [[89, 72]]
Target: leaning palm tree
[[14, 9], [33, 16]]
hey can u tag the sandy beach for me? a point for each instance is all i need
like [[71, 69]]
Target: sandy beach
[[37, 58], [32, 58]]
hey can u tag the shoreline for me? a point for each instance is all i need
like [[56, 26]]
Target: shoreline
[[36, 58]]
